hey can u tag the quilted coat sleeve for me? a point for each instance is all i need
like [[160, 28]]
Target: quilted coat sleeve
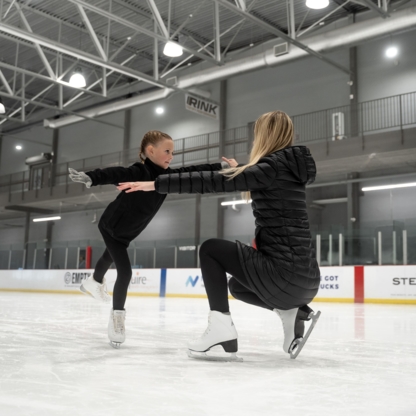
[[117, 174], [197, 168], [259, 176]]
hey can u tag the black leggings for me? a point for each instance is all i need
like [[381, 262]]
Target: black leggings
[[115, 252], [219, 257]]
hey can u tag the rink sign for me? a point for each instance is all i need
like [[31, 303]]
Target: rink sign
[[373, 284], [390, 283], [337, 283], [186, 282], [202, 106]]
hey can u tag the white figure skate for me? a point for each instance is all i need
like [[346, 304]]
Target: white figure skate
[[220, 332], [116, 328], [294, 328], [95, 289]]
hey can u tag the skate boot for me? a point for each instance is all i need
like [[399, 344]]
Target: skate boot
[[220, 331], [116, 328], [95, 289], [294, 328]]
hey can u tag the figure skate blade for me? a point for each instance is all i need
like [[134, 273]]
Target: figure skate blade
[[299, 343], [229, 357]]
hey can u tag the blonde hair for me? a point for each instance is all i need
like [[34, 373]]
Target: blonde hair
[[272, 132], [152, 137]]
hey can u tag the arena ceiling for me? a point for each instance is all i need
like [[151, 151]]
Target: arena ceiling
[[118, 45]]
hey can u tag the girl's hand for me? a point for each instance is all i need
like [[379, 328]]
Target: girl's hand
[[136, 186], [232, 162]]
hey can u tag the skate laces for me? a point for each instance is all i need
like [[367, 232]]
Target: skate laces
[[118, 321], [208, 330]]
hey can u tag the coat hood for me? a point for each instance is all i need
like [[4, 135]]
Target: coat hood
[[300, 161]]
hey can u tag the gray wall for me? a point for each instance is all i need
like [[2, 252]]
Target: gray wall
[[298, 87], [34, 141]]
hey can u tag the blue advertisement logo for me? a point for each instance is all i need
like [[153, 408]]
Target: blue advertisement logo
[[192, 281]]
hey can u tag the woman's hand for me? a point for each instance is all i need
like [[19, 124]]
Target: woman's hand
[[136, 186], [232, 162]]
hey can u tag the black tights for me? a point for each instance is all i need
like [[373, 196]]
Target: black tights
[[219, 257], [115, 252]]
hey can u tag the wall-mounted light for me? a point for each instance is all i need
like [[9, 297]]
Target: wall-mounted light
[[383, 187], [160, 110], [2, 107], [46, 219], [317, 4], [173, 50], [392, 52], [240, 201], [77, 79]]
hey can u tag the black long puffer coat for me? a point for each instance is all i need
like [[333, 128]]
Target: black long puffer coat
[[283, 271]]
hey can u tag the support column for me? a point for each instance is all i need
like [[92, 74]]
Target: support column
[[221, 152], [55, 145], [49, 226], [353, 213], [197, 227], [26, 240], [354, 107], [1, 146], [126, 138]]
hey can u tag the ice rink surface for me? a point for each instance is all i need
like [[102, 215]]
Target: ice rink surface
[[55, 360]]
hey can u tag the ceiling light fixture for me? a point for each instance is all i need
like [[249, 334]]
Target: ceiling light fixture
[[173, 50], [2, 107], [240, 201], [77, 80], [18, 147], [160, 110], [391, 52], [46, 219], [317, 4], [383, 187]]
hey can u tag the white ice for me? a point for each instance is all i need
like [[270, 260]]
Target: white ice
[[55, 360]]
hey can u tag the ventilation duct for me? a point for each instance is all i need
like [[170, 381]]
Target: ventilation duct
[[345, 36]]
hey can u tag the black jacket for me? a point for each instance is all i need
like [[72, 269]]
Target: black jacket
[[283, 270], [128, 215]]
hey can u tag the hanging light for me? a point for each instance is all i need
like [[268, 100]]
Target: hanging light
[[2, 107], [172, 49], [77, 80], [317, 4], [391, 52]]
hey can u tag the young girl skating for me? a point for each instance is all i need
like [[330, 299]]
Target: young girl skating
[[127, 216], [282, 275]]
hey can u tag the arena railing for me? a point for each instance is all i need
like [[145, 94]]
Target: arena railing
[[390, 113]]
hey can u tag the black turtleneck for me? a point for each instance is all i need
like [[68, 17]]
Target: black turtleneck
[[128, 215]]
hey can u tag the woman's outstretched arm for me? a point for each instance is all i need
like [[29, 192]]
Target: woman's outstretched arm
[[259, 176]]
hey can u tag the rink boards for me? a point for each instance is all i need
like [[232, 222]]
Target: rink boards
[[372, 284]]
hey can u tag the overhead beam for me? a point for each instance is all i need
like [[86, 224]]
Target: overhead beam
[[11, 30], [51, 107], [372, 6], [5, 83], [44, 77], [28, 209], [158, 18], [141, 29], [271, 29], [37, 46], [91, 31], [241, 4]]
